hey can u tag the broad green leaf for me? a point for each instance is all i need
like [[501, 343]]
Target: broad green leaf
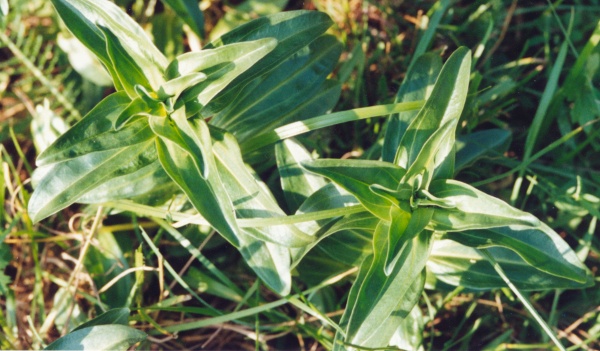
[[328, 197], [351, 244], [149, 181], [189, 12], [473, 209], [417, 85], [421, 171], [353, 232], [127, 69], [297, 184], [100, 337], [176, 86], [58, 185], [409, 334], [265, 249], [83, 26], [293, 30], [89, 154], [539, 246], [378, 295], [83, 17], [443, 106], [357, 176], [250, 197], [221, 66], [115, 316], [212, 59], [404, 227], [477, 145], [267, 102], [185, 152], [318, 266], [94, 132], [404, 327], [460, 265], [177, 130], [357, 222]]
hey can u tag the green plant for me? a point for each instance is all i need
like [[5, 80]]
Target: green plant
[[188, 126]]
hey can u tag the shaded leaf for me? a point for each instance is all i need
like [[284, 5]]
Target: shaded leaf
[[189, 12], [115, 316], [82, 17], [417, 85], [480, 144], [293, 30], [297, 184], [104, 261], [99, 337], [270, 100], [319, 104]]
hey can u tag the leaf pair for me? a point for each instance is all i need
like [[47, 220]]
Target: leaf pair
[[140, 141]]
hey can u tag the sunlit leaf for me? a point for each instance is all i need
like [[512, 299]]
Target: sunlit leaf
[[539, 246], [185, 152], [58, 185], [459, 265], [94, 132], [221, 66], [377, 295], [83, 17], [357, 176], [470, 208], [443, 107]]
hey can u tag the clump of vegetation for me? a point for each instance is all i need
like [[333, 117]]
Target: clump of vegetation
[[274, 175]]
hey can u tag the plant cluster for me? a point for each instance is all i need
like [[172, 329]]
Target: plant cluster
[[189, 145]]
